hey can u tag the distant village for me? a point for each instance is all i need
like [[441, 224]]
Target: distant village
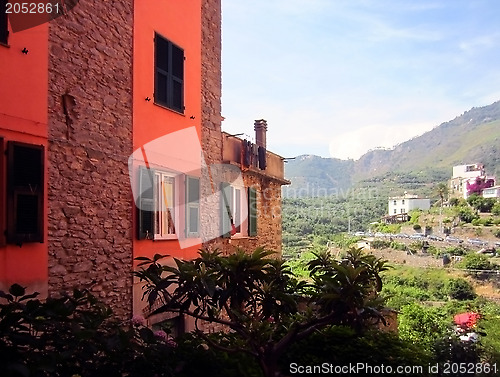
[[466, 180]]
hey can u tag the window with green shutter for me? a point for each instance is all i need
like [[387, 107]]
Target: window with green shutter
[[226, 217], [192, 207], [169, 74], [145, 204], [252, 212]]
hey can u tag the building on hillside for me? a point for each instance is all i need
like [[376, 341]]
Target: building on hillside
[[470, 179], [400, 206], [468, 171], [477, 185], [492, 192], [114, 149]]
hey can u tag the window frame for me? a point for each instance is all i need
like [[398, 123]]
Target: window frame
[[238, 202], [160, 201], [169, 75], [14, 192], [151, 198]]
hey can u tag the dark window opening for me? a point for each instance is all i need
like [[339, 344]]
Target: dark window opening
[[25, 170], [4, 22], [169, 74]]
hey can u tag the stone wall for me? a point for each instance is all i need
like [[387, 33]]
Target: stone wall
[[269, 190], [90, 139], [269, 233], [211, 136]]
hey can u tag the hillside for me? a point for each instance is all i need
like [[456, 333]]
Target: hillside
[[472, 137], [415, 164]]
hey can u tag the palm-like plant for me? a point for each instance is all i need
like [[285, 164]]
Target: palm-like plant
[[264, 307]]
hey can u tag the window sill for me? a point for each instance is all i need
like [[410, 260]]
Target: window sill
[[4, 44], [242, 237], [169, 109], [171, 238]]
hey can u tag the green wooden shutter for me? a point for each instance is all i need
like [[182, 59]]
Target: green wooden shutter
[[252, 211], [226, 204], [177, 93], [145, 204], [169, 74], [192, 206], [25, 188], [161, 70]]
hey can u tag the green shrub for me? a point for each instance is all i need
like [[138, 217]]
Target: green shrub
[[495, 210], [76, 335], [473, 261], [417, 227], [381, 244], [398, 245], [466, 214], [422, 325], [455, 250], [341, 346], [460, 289]]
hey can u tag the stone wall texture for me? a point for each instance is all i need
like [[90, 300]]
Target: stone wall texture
[[269, 191], [90, 139], [211, 136]]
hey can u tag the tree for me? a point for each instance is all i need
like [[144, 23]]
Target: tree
[[264, 308], [442, 191], [460, 289]]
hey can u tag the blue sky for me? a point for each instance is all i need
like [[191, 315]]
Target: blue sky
[[336, 78]]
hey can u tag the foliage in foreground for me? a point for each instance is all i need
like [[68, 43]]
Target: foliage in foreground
[[75, 335], [262, 303]]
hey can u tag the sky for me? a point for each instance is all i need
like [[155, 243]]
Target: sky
[[336, 78]]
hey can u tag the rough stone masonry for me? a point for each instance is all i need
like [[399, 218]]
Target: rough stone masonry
[[90, 139]]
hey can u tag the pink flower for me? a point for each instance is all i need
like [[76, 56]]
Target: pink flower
[[162, 335], [138, 320], [171, 343]]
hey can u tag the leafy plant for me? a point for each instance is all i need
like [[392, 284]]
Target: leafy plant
[[74, 335], [263, 304], [460, 289], [473, 261], [422, 325]]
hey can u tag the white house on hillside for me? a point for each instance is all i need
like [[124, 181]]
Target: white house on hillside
[[406, 203], [468, 171]]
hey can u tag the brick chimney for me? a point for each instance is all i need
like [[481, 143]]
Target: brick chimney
[[260, 127]]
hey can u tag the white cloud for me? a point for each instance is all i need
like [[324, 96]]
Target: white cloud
[[350, 75], [353, 144]]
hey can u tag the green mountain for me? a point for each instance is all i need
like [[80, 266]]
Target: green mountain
[[417, 164]]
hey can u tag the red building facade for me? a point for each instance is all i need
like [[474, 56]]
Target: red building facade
[[113, 118]]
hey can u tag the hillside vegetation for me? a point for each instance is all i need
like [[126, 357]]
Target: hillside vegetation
[[471, 137]]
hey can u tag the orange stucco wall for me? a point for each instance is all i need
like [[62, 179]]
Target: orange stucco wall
[[23, 117], [180, 23]]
